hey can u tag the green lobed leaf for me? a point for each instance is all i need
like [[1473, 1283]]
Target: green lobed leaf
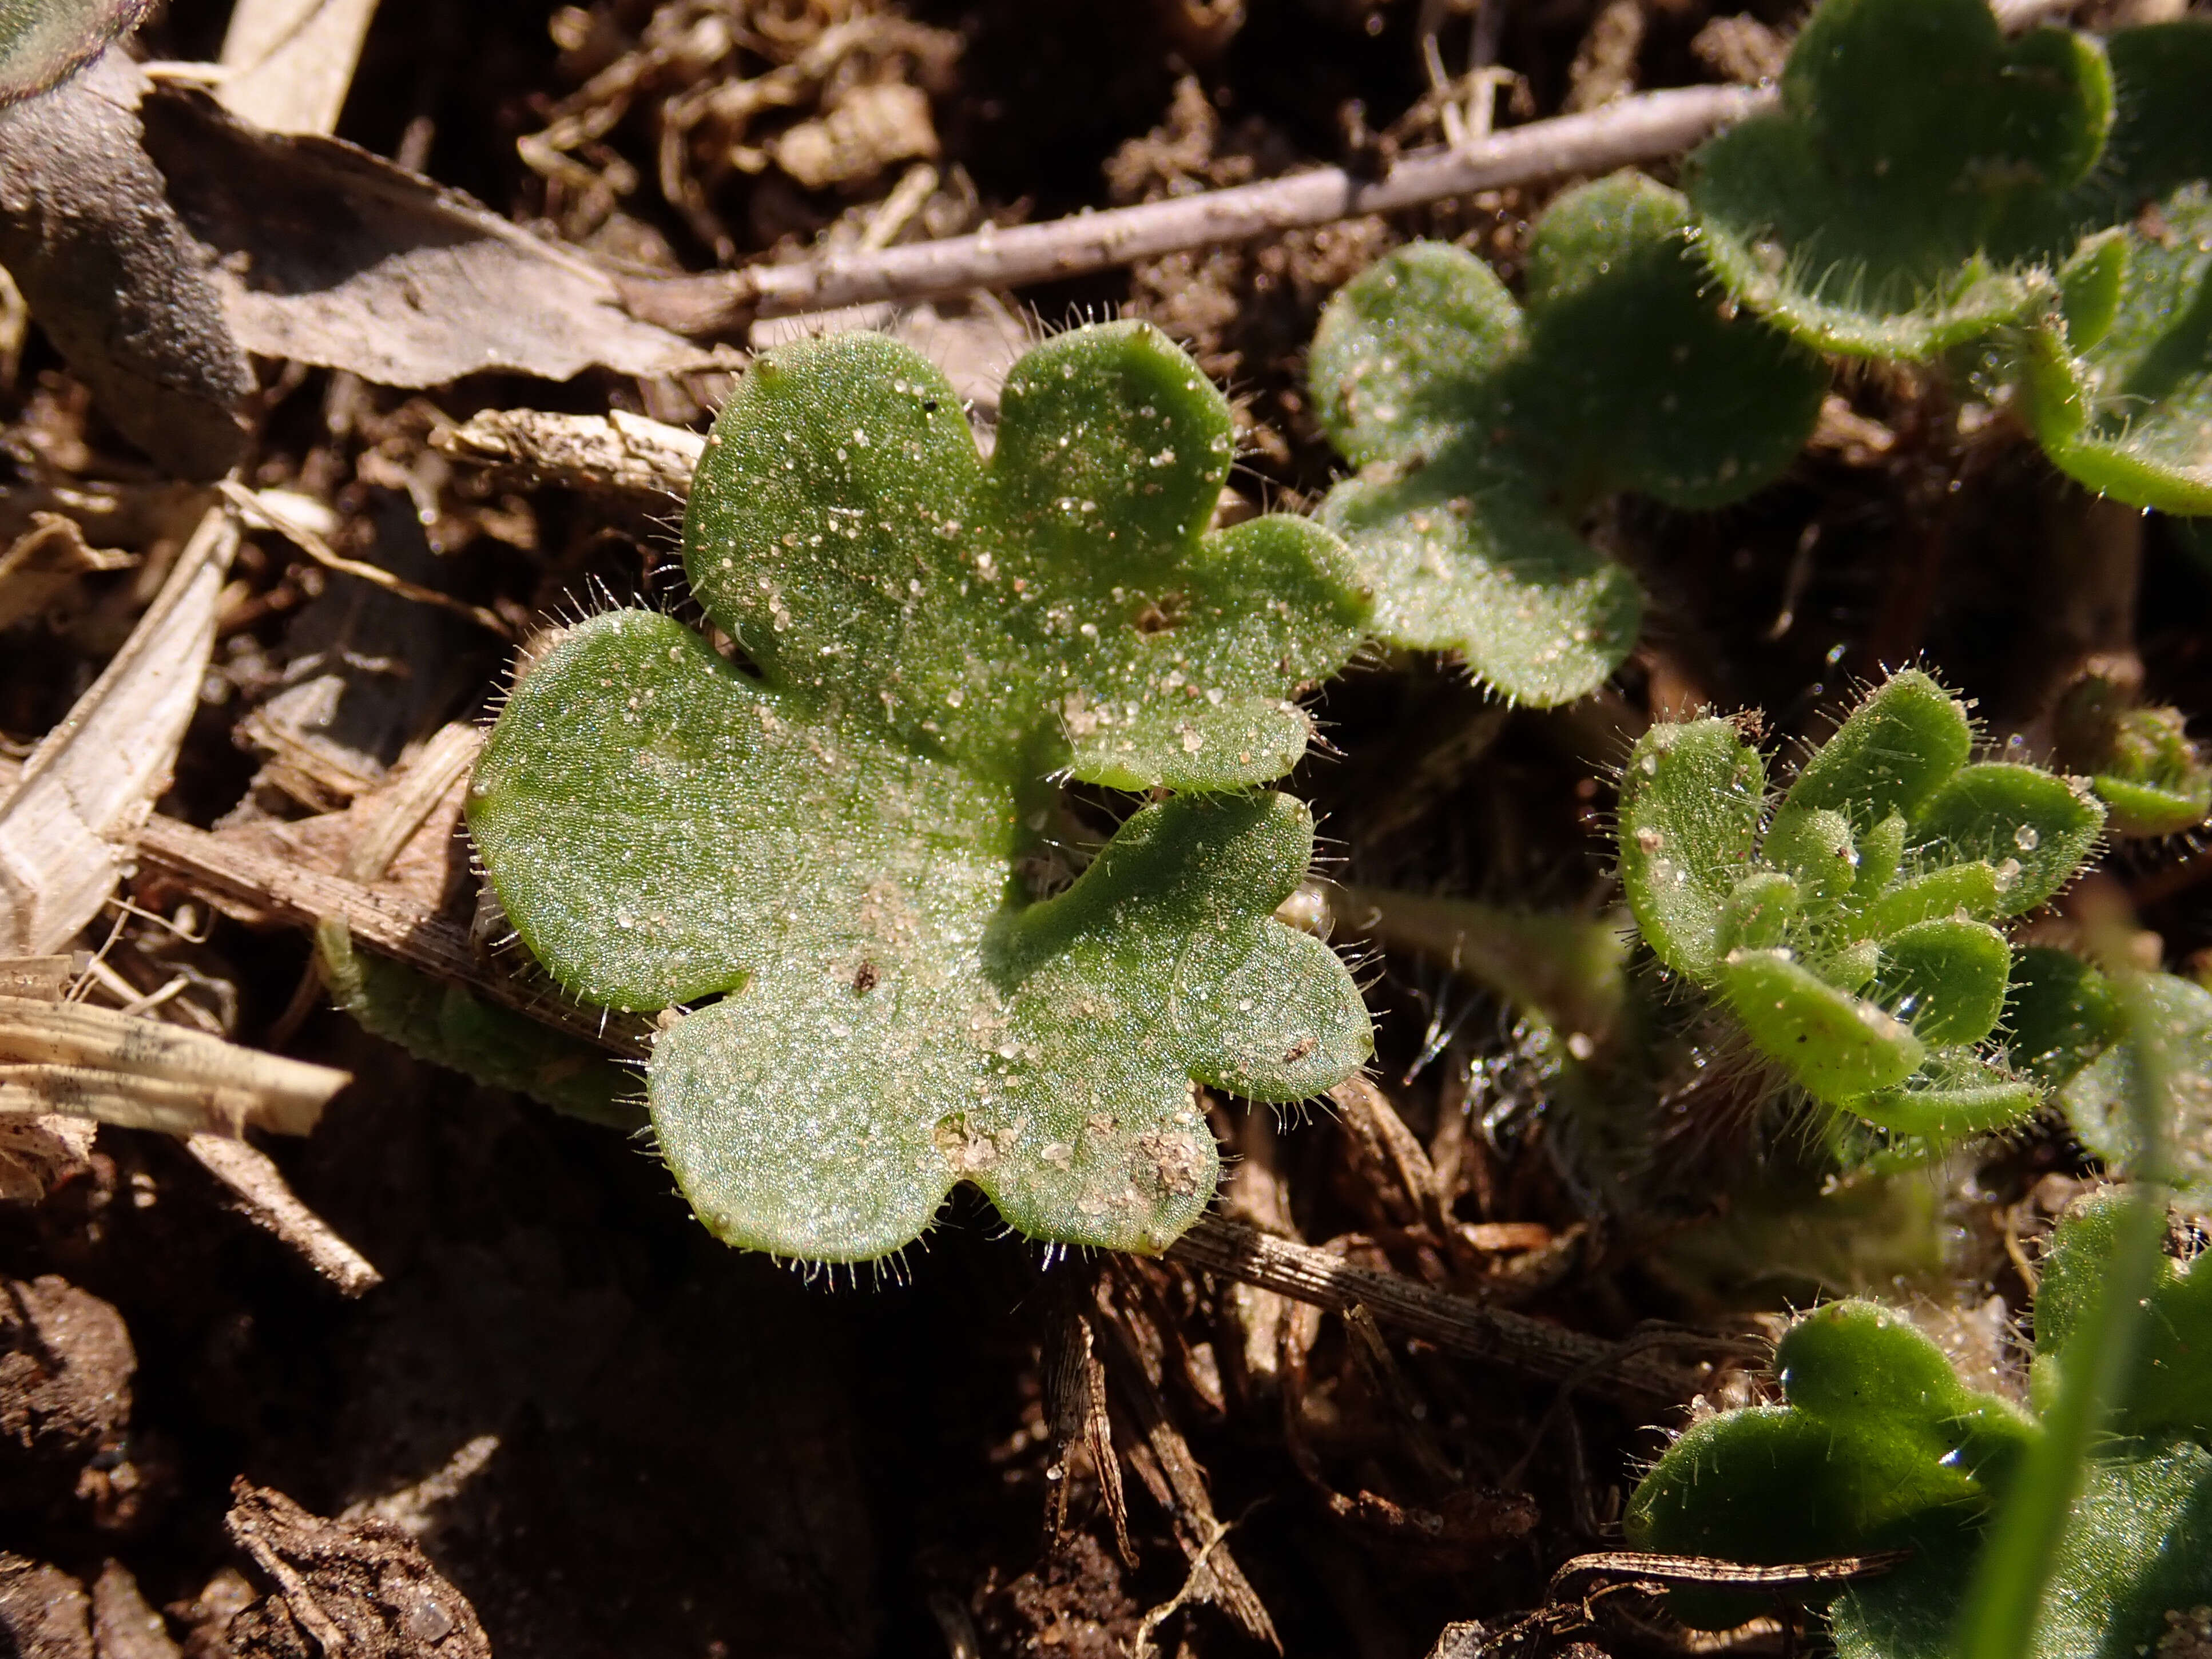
[[1404, 355], [1462, 555], [1690, 799], [2119, 390], [2169, 1390], [2137, 1544], [2159, 139], [844, 530], [830, 845], [1638, 376], [1886, 208], [2180, 1020], [1878, 1445], [1485, 433]]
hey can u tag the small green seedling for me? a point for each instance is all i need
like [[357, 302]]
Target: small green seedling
[[2139, 760], [44, 42], [1880, 1446], [837, 836], [1486, 431], [1850, 934], [1928, 185], [2099, 1098], [1897, 201]]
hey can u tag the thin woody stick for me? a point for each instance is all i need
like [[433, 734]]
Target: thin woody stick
[[1456, 1324], [1636, 129], [1697, 1571], [384, 918]]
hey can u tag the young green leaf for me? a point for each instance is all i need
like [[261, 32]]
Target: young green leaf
[[501, 1048], [2154, 782], [1889, 206], [2140, 760], [1486, 430], [2178, 1020], [2118, 389], [831, 841], [1852, 942], [1691, 803], [44, 42]]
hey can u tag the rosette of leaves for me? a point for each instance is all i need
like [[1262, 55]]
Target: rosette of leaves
[[44, 42], [830, 838], [1900, 199], [1878, 1445], [1484, 431], [1850, 931]]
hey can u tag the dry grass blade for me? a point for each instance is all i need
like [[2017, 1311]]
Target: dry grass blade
[[384, 919], [67, 827], [258, 1185], [255, 507], [292, 61], [142, 1074]]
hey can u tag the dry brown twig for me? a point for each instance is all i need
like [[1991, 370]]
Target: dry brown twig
[[264, 1199], [1626, 1372], [1629, 130]]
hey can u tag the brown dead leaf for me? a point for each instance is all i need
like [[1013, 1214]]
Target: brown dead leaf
[[330, 255], [112, 277]]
